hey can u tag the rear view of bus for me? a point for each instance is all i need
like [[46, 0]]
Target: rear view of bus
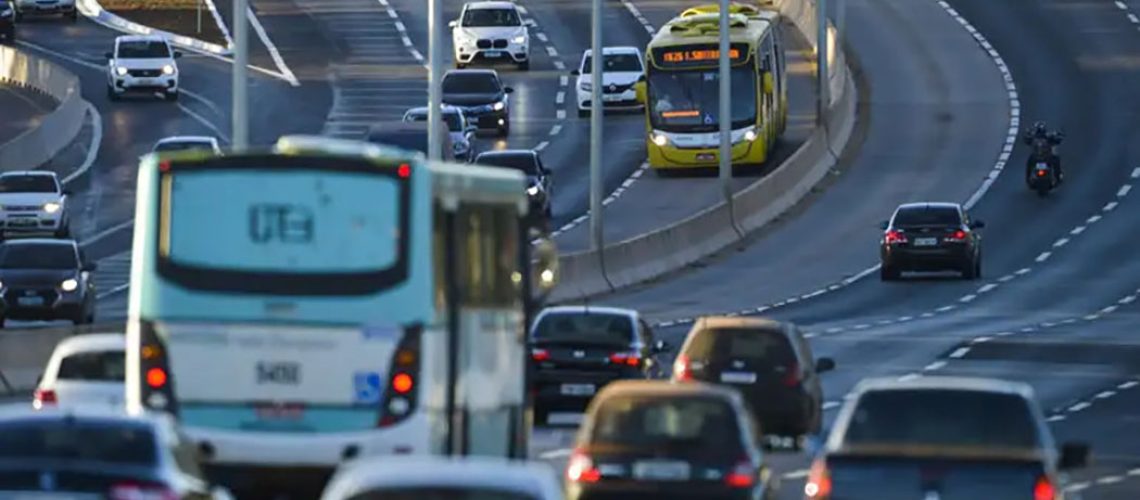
[[277, 306]]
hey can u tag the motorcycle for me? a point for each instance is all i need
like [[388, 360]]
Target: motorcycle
[[1042, 178]]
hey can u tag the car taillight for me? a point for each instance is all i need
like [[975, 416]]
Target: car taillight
[[141, 491], [792, 378], [1044, 489], [894, 236], [818, 486], [958, 235], [682, 368], [626, 358], [1042, 172], [43, 397], [742, 475], [580, 469], [539, 354]]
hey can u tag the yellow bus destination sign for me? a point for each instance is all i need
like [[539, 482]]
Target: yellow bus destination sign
[[697, 55]]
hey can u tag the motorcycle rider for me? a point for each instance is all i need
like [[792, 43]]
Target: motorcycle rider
[[1040, 132]]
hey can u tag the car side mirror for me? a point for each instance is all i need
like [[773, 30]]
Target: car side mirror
[[1074, 455], [508, 90], [977, 224], [453, 24], [824, 365], [39, 378], [884, 225], [575, 73], [177, 54], [109, 55], [661, 346]]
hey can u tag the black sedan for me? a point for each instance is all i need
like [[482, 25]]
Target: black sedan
[[482, 97], [577, 350], [98, 454], [46, 279], [931, 237], [7, 21], [527, 161]]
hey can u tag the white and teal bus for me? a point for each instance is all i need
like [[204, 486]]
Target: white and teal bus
[[292, 308]]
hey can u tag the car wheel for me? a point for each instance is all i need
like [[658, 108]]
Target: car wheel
[[583, 113], [172, 96], [540, 417], [888, 273], [111, 94], [524, 66], [64, 231], [74, 16], [19, 16], [2, 320], [547, 212], [459, 65], [505, 130], [978, 266]]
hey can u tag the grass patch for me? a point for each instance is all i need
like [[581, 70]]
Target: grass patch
[[180, 20], [121, 5]]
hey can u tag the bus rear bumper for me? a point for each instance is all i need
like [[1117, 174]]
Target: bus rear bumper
[[743, 153]]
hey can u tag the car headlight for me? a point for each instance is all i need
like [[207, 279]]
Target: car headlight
[[533, 190], [519, 39], [659, 139], [586, 86], [120, 71], [69, 285], [498, 106], [1, 285], [51, 208], [168, 69]]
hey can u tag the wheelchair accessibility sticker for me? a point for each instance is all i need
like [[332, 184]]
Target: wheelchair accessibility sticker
[[367, 387]]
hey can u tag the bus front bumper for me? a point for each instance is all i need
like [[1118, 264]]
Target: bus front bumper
[[668, 156]]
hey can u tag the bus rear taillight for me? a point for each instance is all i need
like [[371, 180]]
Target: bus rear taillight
[[155, 380], [401, 393]]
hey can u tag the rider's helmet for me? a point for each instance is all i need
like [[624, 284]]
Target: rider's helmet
[[1039, 128]]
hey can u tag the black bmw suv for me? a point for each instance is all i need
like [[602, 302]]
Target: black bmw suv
[[46, 279], [931, 237], [482, 97]]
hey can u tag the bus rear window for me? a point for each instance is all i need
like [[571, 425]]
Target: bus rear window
[[297, 222]]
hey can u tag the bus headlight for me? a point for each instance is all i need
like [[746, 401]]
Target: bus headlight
[[750, 135], [69, 285], [398, 406], [659, 139], [51, 208]]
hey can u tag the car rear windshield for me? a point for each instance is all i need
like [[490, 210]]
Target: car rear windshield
[[29, 256], [763, 346], [453, 121], [613, 63], [522, 162], [475, 83], [143, 50], [941, 216], [27, 184], [442, 493], [585, 328], [115, 443], [942, 417], [101, 366], [476, 18], [689, 424]]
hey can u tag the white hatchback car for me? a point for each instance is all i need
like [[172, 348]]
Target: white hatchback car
[[188, 142], [33, 202], [622, 67], [491, 32], [143, 64], [427, 476], [84, 370]]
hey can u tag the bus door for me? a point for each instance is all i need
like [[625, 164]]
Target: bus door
[[768, 64]]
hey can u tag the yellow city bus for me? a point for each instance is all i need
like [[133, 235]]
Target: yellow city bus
[[681, 91]]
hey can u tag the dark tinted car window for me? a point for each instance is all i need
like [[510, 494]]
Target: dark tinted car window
[[442, 494], [763, 346], [942, 417], [104, 366], [27, 184], [522, 161], [585, 328], [30, 256], [78, 440], [927, 217], [143, 50], [470, 83], [477, 18], [684, 424]]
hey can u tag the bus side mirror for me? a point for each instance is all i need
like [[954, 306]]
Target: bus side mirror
[[639, 89], [769, 82]]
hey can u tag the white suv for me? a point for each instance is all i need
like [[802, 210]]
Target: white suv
[[142, 64], [33, 201], [622, 67], [491, 32]]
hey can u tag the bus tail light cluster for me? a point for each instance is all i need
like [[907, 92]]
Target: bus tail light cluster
[[155, 378], [401, 392]]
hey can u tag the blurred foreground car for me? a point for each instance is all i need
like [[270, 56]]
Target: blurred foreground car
[[769, 362], [577, 350], [658, 440], [70, 454], [442, 478], [948, 438], [84, 370]]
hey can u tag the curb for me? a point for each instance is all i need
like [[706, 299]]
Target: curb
[[96, 13]]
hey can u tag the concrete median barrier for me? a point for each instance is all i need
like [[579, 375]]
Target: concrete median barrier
[[39, 145], [663, 250], [24, 352]]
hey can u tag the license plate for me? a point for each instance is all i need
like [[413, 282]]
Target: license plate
[[492, 54], [738, 377], [611, 97], [578, 389], [925, 242], [30, 301], [661, 470], [22, 223], [706, 156]]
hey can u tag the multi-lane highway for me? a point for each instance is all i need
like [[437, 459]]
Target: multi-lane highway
[[1060, 286], [22, 110]]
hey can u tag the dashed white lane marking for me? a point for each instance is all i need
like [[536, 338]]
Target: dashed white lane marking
[[560, 98], [542, 145], [1108, 207], [960, 352], [1120, 5], [563, 81], [1044, 256], [827, 405], [986, 288], [1105, 394], [1077, 230], [937, 365], [1092, 219], [1110, 479], [1060, 242], [1133, 18], [1024, 270], [967, 298], [945, 308], [1078, 407], [1124, 190], [1128, 385], [1136, 173]]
